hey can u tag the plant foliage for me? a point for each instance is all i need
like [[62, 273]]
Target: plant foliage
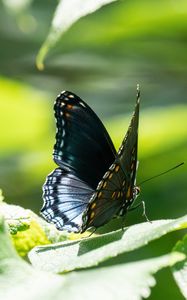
[[17, 277]]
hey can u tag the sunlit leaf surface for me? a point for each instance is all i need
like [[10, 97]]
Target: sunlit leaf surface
[[67, 13], [19, 280], [89, 252]]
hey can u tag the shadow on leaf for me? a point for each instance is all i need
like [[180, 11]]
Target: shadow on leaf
[[99, 241]]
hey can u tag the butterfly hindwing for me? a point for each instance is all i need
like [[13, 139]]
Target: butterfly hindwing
[[115, 192], [128, 152], [65, 198]]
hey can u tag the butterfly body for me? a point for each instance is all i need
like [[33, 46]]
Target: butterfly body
[[93, 183]]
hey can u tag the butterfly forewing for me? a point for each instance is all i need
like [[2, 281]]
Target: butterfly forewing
[[83, 145], [115, 192]]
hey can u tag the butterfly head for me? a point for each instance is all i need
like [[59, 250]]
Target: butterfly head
[[136, 191]]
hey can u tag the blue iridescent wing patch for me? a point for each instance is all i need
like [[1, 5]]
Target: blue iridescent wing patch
[[65, 199]]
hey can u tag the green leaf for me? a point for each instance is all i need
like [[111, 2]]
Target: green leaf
[[126, 281], [67, 13], [6, 249], [17, 218], [91, 251], [18, 280], [27, 229], [180, 269]]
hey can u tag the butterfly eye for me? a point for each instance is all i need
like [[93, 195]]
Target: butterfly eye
[[137, 190]]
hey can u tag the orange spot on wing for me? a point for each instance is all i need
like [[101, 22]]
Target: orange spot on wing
[[69, 106], [117, 168], [92, 215], [104, 184], [128, 194], [93, 205], [110, 176], [100, 194]]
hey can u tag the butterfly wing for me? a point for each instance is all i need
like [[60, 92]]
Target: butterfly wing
[[128, 151], [115, 192], [83, 145], [83, 151], [65, 198]]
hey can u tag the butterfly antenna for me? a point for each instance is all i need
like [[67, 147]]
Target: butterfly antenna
[[155, 176]]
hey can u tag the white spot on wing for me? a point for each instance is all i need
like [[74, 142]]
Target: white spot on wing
[[106, 174], [112, 167], [82, 104], [62, 104]]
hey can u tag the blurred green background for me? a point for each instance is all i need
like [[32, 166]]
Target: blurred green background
[[101, 58]]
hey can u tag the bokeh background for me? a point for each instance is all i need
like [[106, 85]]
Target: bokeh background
[[101, 58]]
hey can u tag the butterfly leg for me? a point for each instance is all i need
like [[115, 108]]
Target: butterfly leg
[[144, 212], [92, 232], [123, 224]]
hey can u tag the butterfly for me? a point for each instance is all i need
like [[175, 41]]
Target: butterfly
[[93, 183]]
